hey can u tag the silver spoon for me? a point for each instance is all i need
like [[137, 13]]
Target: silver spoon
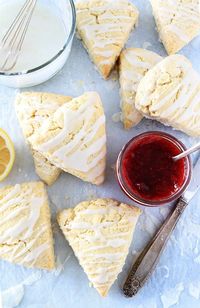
[[194, 148]]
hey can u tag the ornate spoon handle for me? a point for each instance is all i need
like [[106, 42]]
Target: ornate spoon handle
[[149, 257]]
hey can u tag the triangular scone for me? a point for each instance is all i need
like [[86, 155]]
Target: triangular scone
[[170, 93], [100, 233], [74, 138], [178, 22], [33, 108], [25, 226], [134, 64], [104, 27]]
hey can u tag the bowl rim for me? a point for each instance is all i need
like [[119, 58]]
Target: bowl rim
[[136, 198], [70, 37]]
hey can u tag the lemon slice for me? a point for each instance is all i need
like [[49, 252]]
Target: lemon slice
[[7, 154]]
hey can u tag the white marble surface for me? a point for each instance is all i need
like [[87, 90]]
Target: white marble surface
[[176, 280]]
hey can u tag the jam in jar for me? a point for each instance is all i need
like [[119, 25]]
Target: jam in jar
[[146, 171]]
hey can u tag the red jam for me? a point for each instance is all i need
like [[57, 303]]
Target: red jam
[[148, 169]]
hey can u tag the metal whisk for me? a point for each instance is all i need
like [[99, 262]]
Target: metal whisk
[[11, 43]]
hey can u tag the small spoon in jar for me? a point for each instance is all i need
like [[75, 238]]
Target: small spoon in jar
[[194, 148]]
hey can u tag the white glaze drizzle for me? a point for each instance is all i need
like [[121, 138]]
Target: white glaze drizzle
[[11, 194], [187, 12], [30, 244], [133, 59], [92, 30], [18, 202], [97, 242], [24, 224], [180, 106], [74, 154], [131, 74], [35, 253], [113, 256], [179, 32], [117, 24], [104, 53], [101, 211], [189, 90], [130, 78], [108, 5], [103, 277], [114, 243], [189, 86], [190, 12]]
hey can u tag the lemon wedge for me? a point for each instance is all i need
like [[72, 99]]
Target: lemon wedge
[[7, 154]]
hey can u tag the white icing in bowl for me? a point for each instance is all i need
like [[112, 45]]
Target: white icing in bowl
[[47, 43]]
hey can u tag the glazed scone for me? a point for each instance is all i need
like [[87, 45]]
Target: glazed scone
[[178, 22], [104, 27], [170, 93], [25, 226], [46, 171], [74, 138], [32, 109], [133, 65], [100, 233]]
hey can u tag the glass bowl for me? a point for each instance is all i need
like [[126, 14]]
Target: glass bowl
[[65, 10], [136, 197]]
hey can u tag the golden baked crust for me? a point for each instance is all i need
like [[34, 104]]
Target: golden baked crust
[[46, 171], [104, 27], [170, 93], [133, 65], [25, 226], [100, 232], [74, 138], [32, 109], [178, 22]]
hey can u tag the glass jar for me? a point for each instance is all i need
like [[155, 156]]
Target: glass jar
[[149, 138]]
